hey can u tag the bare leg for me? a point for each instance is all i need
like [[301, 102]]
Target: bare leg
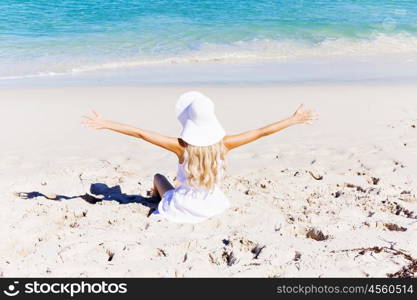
[[161, 185]]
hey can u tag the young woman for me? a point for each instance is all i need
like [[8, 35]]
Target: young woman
[[201, 150]]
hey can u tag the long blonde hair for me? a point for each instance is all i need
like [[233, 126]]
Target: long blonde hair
[[203, 165]]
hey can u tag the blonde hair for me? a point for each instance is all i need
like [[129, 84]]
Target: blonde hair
[[203, 164]]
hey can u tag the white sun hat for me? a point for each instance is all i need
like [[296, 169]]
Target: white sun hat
[[200, 126]]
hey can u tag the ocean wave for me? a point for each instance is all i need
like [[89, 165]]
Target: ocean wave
[[242, 51]]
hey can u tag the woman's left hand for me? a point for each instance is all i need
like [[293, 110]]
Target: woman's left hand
[[96, 121], [305, 116]]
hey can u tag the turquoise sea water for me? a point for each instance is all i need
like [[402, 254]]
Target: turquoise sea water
[[43, 38]]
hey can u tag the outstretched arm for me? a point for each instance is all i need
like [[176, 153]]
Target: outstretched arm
[[170, 143], [299, 117]]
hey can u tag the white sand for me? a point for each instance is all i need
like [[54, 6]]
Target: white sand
[[364, 132]]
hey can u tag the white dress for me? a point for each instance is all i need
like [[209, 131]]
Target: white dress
[[191, 205]]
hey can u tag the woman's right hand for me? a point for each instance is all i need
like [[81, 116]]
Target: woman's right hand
[[95, 121], [304, 116]]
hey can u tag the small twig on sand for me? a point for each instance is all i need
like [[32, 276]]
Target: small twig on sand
[[316, 177], [408, 271]]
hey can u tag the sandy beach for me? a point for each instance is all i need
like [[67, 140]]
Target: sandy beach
[[336, 199]]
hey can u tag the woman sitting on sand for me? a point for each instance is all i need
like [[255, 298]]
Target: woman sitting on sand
[[201, 151]]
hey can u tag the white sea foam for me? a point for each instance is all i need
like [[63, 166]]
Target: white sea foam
[[399, 45]]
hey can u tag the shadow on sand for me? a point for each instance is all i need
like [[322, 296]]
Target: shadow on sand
[[99, 192]]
